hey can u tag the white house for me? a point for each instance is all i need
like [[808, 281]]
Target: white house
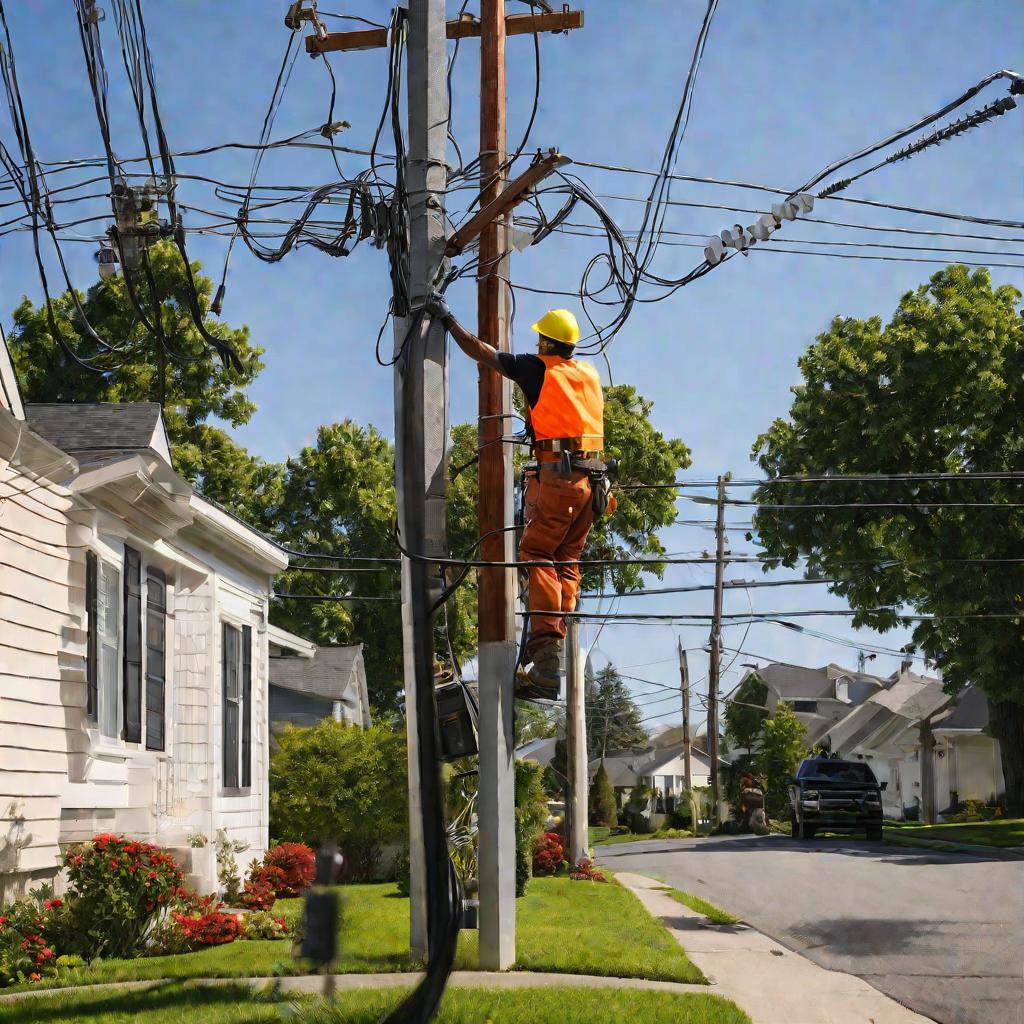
[[133, 644]]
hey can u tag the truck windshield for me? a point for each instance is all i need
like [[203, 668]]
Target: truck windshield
[[835, 771]]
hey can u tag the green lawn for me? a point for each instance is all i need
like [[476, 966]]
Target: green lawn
[[229, 1004], [600, 836], [714, 914], [563, 926], [997, 832]]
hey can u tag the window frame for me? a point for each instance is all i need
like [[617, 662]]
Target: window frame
[[236, 708]]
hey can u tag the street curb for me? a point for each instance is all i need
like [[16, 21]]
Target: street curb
[[314, 983], [946, 846]]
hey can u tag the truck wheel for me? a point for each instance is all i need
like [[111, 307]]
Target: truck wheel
[[794, 826], [809, 831], [874, 833]]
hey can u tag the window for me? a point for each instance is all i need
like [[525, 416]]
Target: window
[[808, 707], [126, 621], [108, 644], [236, 662]]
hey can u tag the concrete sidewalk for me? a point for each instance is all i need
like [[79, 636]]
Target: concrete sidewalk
[[772, 984]]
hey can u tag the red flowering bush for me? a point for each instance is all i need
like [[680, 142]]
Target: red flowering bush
[[297, 862], [212, 929], [586, 872], [26, 954], [117, 888], [262, 886], [548, 854]]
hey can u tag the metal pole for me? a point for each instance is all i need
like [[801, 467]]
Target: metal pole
[[496, 621], [684, 686], [716, 651], [421, 400], [577, 806]]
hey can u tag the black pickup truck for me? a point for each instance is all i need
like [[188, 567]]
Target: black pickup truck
[[831, 795]]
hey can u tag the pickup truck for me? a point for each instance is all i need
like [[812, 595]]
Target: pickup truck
[[831, 795]]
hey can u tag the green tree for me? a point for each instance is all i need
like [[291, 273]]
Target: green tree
[[531, 813], [602, 799], [197, 387], [745, 711], [338, 783], [939, 388], [782, 747], [613, 719]]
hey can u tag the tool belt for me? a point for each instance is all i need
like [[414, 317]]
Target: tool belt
[[565, 455]]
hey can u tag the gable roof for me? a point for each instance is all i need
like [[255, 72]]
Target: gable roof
[[970, 712], [333, 673], [95, 432], [798, 682]]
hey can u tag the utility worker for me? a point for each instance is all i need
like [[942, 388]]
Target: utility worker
[[566, 484]]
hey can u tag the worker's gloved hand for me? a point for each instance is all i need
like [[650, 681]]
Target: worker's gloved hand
[[437, 308]]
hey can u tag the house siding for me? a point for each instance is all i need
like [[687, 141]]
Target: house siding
[[40, 639]]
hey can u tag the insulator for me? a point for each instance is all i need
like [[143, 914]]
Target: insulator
[[979, 117], [836, 186]]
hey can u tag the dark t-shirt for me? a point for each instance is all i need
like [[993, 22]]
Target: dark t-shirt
[[527, 371]]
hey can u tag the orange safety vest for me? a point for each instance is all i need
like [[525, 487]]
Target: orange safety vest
[[571, 404]]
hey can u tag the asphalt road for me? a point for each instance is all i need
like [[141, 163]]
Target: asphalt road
[[941, 932]]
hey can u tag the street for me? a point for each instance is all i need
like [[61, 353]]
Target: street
[[942, 933]]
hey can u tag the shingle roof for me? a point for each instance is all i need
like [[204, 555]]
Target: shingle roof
[[797, 682], [79, 427], [334, 673], [970, 711]]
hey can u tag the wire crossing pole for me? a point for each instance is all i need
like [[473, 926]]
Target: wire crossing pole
[[577, 806], [496, 620], [684, 689], [716, 650], [421, 428]]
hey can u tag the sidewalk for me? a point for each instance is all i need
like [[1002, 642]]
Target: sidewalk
[[771, 983]]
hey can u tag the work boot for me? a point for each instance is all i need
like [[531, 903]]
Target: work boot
[[543, 679]]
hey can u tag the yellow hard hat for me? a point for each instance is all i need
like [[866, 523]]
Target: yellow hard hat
[[558, 325]]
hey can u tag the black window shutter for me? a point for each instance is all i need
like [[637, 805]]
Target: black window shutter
[[92, 572], [229, 671], [132, 646], [156, 655], [247, 705]]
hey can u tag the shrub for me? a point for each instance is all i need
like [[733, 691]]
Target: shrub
[[263, 885], [297, 865], [586, 872], [261, 925], [602, 799], [26, 955], [116, 891], [548, 854], [227, 866], [167, 938], [531, 813], [212, 929], [358, 777]]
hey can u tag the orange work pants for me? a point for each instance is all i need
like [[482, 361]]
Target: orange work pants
[[558, 517]]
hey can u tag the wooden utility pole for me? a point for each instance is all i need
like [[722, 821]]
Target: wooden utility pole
[[716, 650], [577, 806], [684, 688], [496, 593]]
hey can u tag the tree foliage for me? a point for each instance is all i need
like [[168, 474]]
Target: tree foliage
[[745, 712], [613, 719], [783, 746], [197, 386], [939, 388], [336, 782]]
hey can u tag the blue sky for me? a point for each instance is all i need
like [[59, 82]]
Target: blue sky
[[786, 87]]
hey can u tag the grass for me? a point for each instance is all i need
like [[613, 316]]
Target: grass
[[230, 1004], [714, 914], [600, 836], [997, 832], [563, 926]]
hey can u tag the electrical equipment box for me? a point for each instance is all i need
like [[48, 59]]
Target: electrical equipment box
[[456, 718]]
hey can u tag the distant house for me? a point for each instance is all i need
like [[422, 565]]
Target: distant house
[[310, 683], [819, 696], [929, 747], [133, 644]]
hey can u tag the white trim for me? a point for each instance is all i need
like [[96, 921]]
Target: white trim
[[290, 641], [237, 536]]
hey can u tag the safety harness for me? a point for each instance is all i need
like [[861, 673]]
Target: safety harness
[[565, 455]]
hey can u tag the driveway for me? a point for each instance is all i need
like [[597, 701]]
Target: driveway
[[942, 933]]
